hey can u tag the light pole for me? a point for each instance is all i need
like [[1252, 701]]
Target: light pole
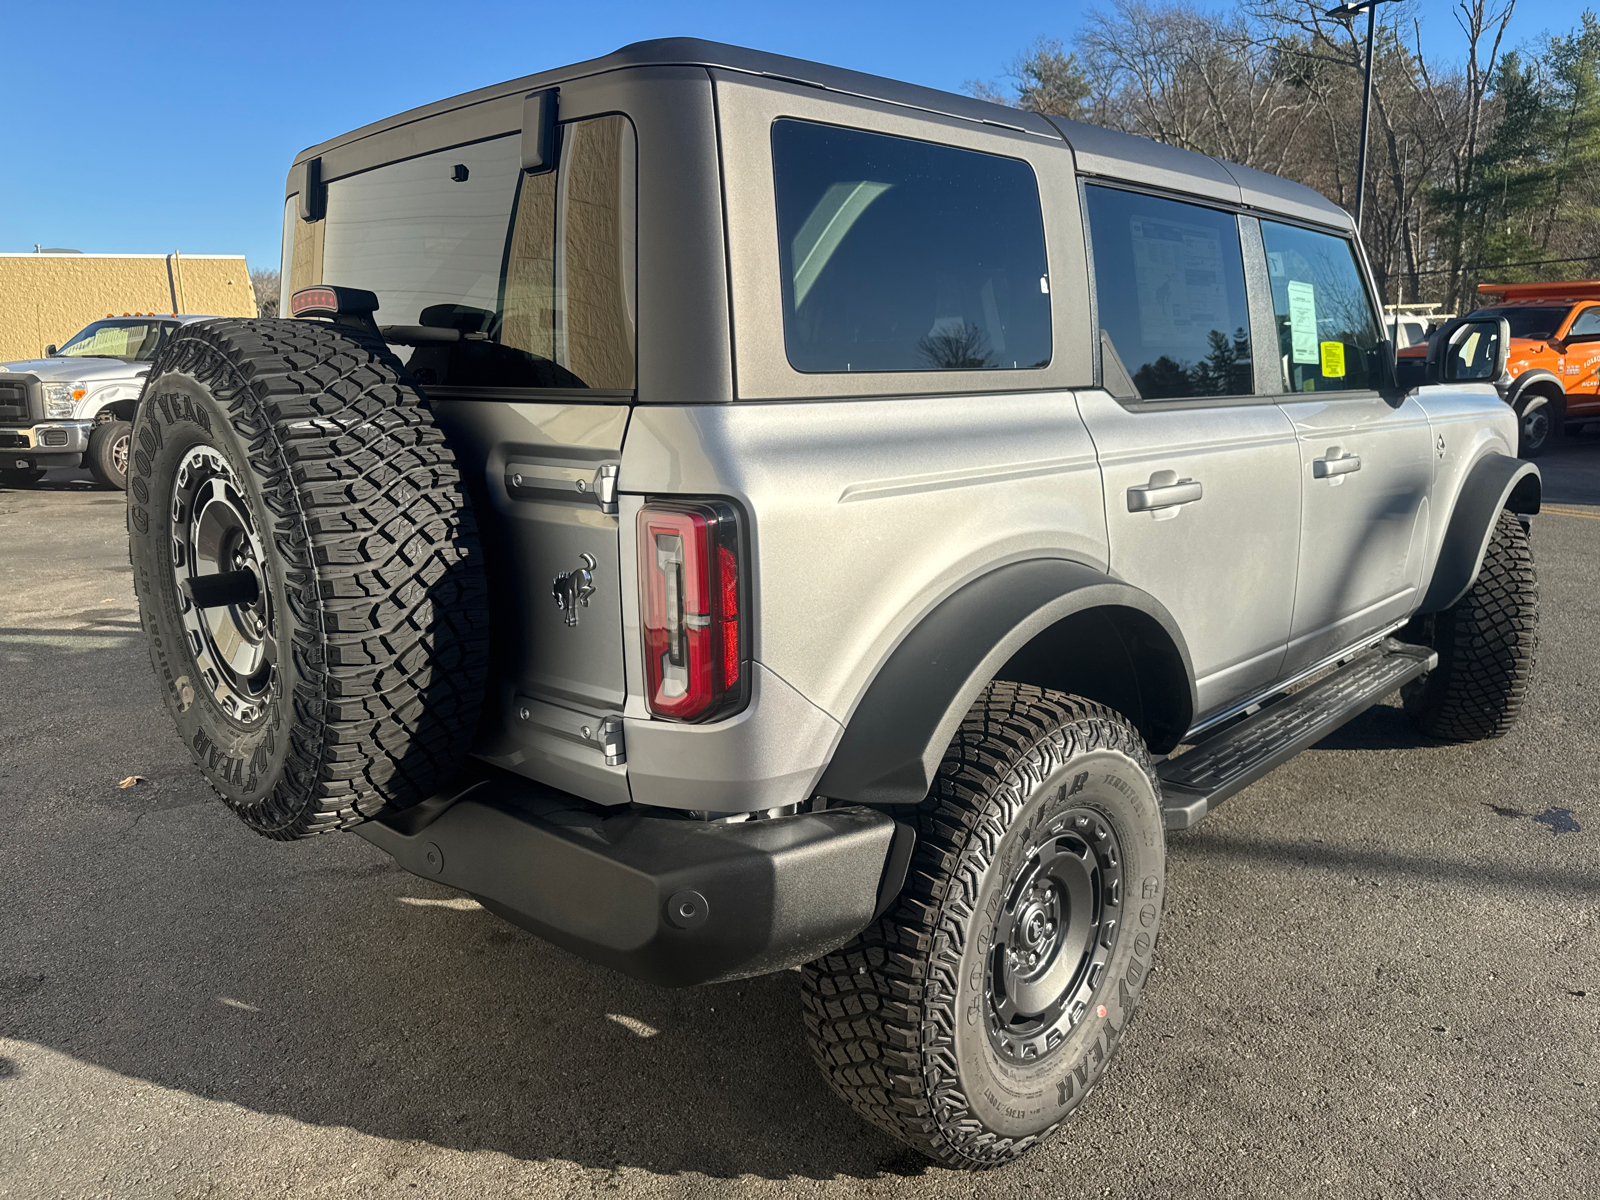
[[1346, 12]]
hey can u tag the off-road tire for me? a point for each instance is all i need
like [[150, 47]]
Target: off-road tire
[[897, 1019], [106, 460], [373, 600], [13, 477], [1486, 643]]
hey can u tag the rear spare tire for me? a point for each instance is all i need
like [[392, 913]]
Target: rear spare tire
[[308, 572]]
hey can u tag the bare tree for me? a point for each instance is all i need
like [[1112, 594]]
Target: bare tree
[[266, 284]]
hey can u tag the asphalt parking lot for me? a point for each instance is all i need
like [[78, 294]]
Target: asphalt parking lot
[[1380, 974]]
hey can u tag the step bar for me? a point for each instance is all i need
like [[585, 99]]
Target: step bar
[[1195, 782]]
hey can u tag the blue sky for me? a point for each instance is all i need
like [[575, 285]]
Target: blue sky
[[159, 126]]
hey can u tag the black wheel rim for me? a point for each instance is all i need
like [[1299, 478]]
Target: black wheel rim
[[1535, 427], [1053, 936], [119, 454], [223, 597]]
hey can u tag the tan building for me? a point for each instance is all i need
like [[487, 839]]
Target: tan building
[[46, 298]]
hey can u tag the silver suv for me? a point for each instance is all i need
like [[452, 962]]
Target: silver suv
[[729, 514]]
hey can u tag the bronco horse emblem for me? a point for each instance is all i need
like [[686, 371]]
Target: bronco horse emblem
[[573, 588]]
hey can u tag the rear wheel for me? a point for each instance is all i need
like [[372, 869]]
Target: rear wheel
[[1486, 643], [983, 1007], [308, 572], [107, 458], [20, 477]]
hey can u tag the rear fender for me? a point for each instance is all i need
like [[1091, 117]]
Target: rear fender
[[1003, 625]]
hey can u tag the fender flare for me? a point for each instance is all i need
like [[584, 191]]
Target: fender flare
[[1528, 379], [1496, 481], [909, 713]]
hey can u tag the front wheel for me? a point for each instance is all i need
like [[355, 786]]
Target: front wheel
[[984, 1006], [1486, 642], [107, 458], [1537, 427]]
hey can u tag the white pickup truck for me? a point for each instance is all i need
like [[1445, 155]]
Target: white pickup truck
[[75, 406]]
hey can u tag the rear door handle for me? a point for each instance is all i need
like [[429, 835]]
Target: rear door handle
[[1155, 495], [1335, 464]]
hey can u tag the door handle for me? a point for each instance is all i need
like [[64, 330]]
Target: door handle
[[1154, 495], [1335, 464]]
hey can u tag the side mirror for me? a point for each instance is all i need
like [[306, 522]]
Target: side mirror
[[1470, 351], [50, 350]]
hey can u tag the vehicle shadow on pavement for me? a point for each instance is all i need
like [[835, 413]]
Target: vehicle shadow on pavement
[[151, 934], [1384, 726]]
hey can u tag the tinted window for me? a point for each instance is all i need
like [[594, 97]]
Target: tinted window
[[1327, 333], [131, 341], [1587, 325], [1169, 285], [899, 255], [533, 275], [1526, 322]]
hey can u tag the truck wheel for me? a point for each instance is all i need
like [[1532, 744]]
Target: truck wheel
[[308, 572], [1486, 643], [1537, 427], [107, 458], [983, 1007], [20, 477]]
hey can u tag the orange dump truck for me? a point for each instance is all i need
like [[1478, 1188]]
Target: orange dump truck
[[1554, 364]]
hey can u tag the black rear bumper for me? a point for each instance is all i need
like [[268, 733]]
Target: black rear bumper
[[670, 901]]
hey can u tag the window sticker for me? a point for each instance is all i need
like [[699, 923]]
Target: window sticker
[[1333, 360], [1303, 322], [1178, 269]]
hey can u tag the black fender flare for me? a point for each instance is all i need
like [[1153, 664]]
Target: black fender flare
[[908, 715], [1522, 383], [1496, 481]]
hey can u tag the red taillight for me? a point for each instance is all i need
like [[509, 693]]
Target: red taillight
[[689, 600]]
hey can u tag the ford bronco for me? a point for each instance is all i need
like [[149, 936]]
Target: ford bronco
[[729, 514]]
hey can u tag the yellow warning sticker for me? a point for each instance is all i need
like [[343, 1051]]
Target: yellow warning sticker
[[1333, 360]]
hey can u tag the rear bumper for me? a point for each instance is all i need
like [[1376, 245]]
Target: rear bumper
[[670, 901]]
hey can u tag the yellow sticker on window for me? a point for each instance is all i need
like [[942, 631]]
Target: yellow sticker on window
[[1333, 360]]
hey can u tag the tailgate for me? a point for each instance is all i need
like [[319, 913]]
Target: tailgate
[[543, 484]]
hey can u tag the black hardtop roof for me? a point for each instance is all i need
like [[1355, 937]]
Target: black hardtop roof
[[1099, 151]]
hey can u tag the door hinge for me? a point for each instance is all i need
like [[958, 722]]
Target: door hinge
[[612, 744]]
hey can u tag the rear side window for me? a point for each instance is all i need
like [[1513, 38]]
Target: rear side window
[[521, 281], [901, 255], [1327, 332], [1169, 287]]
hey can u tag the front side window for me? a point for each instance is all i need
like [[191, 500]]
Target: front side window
[[515, 280], [1529, 321], [1328, 335], [901, 255], [1586, 326], [131, 341], [1169, 287]]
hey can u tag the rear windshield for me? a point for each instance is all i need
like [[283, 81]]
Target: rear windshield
[[1529, 322], [901, 255], [522, 281], [131, 341]]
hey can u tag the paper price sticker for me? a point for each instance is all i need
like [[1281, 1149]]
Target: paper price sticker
[[1333, 360]]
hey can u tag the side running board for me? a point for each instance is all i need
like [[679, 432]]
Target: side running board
[[1194, 783]]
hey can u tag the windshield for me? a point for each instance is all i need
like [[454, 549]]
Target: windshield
[[131, 341], [1529, 322]]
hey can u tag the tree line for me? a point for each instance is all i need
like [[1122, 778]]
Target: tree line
[[1481, 167]]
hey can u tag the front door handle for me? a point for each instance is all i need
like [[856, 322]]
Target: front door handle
[[1335, 463], [1163, 493]]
